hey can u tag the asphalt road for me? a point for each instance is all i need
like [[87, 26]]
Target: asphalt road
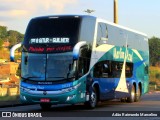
[[149, 103]]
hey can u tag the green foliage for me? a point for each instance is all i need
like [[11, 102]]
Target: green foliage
[[1, 43], [152, 83], [12, 36], [154, 49], [18, 73], [9, 98], [158, 75], [3, 32]]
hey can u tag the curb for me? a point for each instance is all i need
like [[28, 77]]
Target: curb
[[157, 91], [153, 92]]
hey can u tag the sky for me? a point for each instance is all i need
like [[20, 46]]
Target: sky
[[141, 15]]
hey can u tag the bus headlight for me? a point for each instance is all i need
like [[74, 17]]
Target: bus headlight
[[24, 89], [71, 88]]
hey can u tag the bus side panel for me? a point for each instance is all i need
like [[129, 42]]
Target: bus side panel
[[116, 54]]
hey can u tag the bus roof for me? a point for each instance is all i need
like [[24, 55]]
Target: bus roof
[[122, 27], [92, 17]]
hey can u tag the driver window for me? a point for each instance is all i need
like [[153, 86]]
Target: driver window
[[84, 61]]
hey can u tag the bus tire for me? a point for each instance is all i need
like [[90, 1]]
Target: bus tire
[[123, 99], [45, 106], [132, 95], [92, 103], [138, 94]]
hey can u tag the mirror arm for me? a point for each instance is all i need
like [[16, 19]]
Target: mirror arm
[[13, 49]]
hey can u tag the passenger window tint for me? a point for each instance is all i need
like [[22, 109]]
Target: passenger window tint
[[84, 61], [112, 69]]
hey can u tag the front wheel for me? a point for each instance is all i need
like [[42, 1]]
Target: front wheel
[[92, 103]]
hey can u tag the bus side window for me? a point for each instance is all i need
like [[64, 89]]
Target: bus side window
[[102, 34], [102, 70], [116, 69], [112, 69], [129, 70], [80, 67], [84, 61], [98, 70]]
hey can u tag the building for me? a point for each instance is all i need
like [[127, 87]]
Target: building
[[8, 76], [6, 44]]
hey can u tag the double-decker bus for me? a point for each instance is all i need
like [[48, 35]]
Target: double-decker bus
[[70, 59]]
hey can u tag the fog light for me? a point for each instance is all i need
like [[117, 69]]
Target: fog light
[[70, 97]]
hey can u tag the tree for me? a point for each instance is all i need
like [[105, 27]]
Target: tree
[[1, 43], [3, 32], [18, 73], [154, 50], [14, 37]]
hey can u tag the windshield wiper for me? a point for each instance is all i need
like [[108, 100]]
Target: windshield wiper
[[57, 78], [64, 79]]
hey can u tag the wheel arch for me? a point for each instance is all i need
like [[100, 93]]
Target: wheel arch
[[97, 87]]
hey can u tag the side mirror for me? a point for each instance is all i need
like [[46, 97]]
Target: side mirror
[[13, 49], [76, 49]]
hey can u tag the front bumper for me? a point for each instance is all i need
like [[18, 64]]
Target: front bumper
[[70, 95]]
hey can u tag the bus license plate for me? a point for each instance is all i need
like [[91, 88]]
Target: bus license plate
[[45, 100]]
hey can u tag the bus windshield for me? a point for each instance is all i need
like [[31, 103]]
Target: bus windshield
[[50, 67]]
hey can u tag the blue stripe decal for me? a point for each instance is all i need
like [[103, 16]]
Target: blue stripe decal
[[47, 87]]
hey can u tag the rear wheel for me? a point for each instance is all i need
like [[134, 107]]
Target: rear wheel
[[45, 106], [92, 103], [123, 99], [132, 96], [138, 94]]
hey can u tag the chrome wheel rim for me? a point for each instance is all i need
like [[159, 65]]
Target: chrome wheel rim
[[93, 99], [132, 94]]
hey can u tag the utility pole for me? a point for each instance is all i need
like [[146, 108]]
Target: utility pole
[[116, 11]]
